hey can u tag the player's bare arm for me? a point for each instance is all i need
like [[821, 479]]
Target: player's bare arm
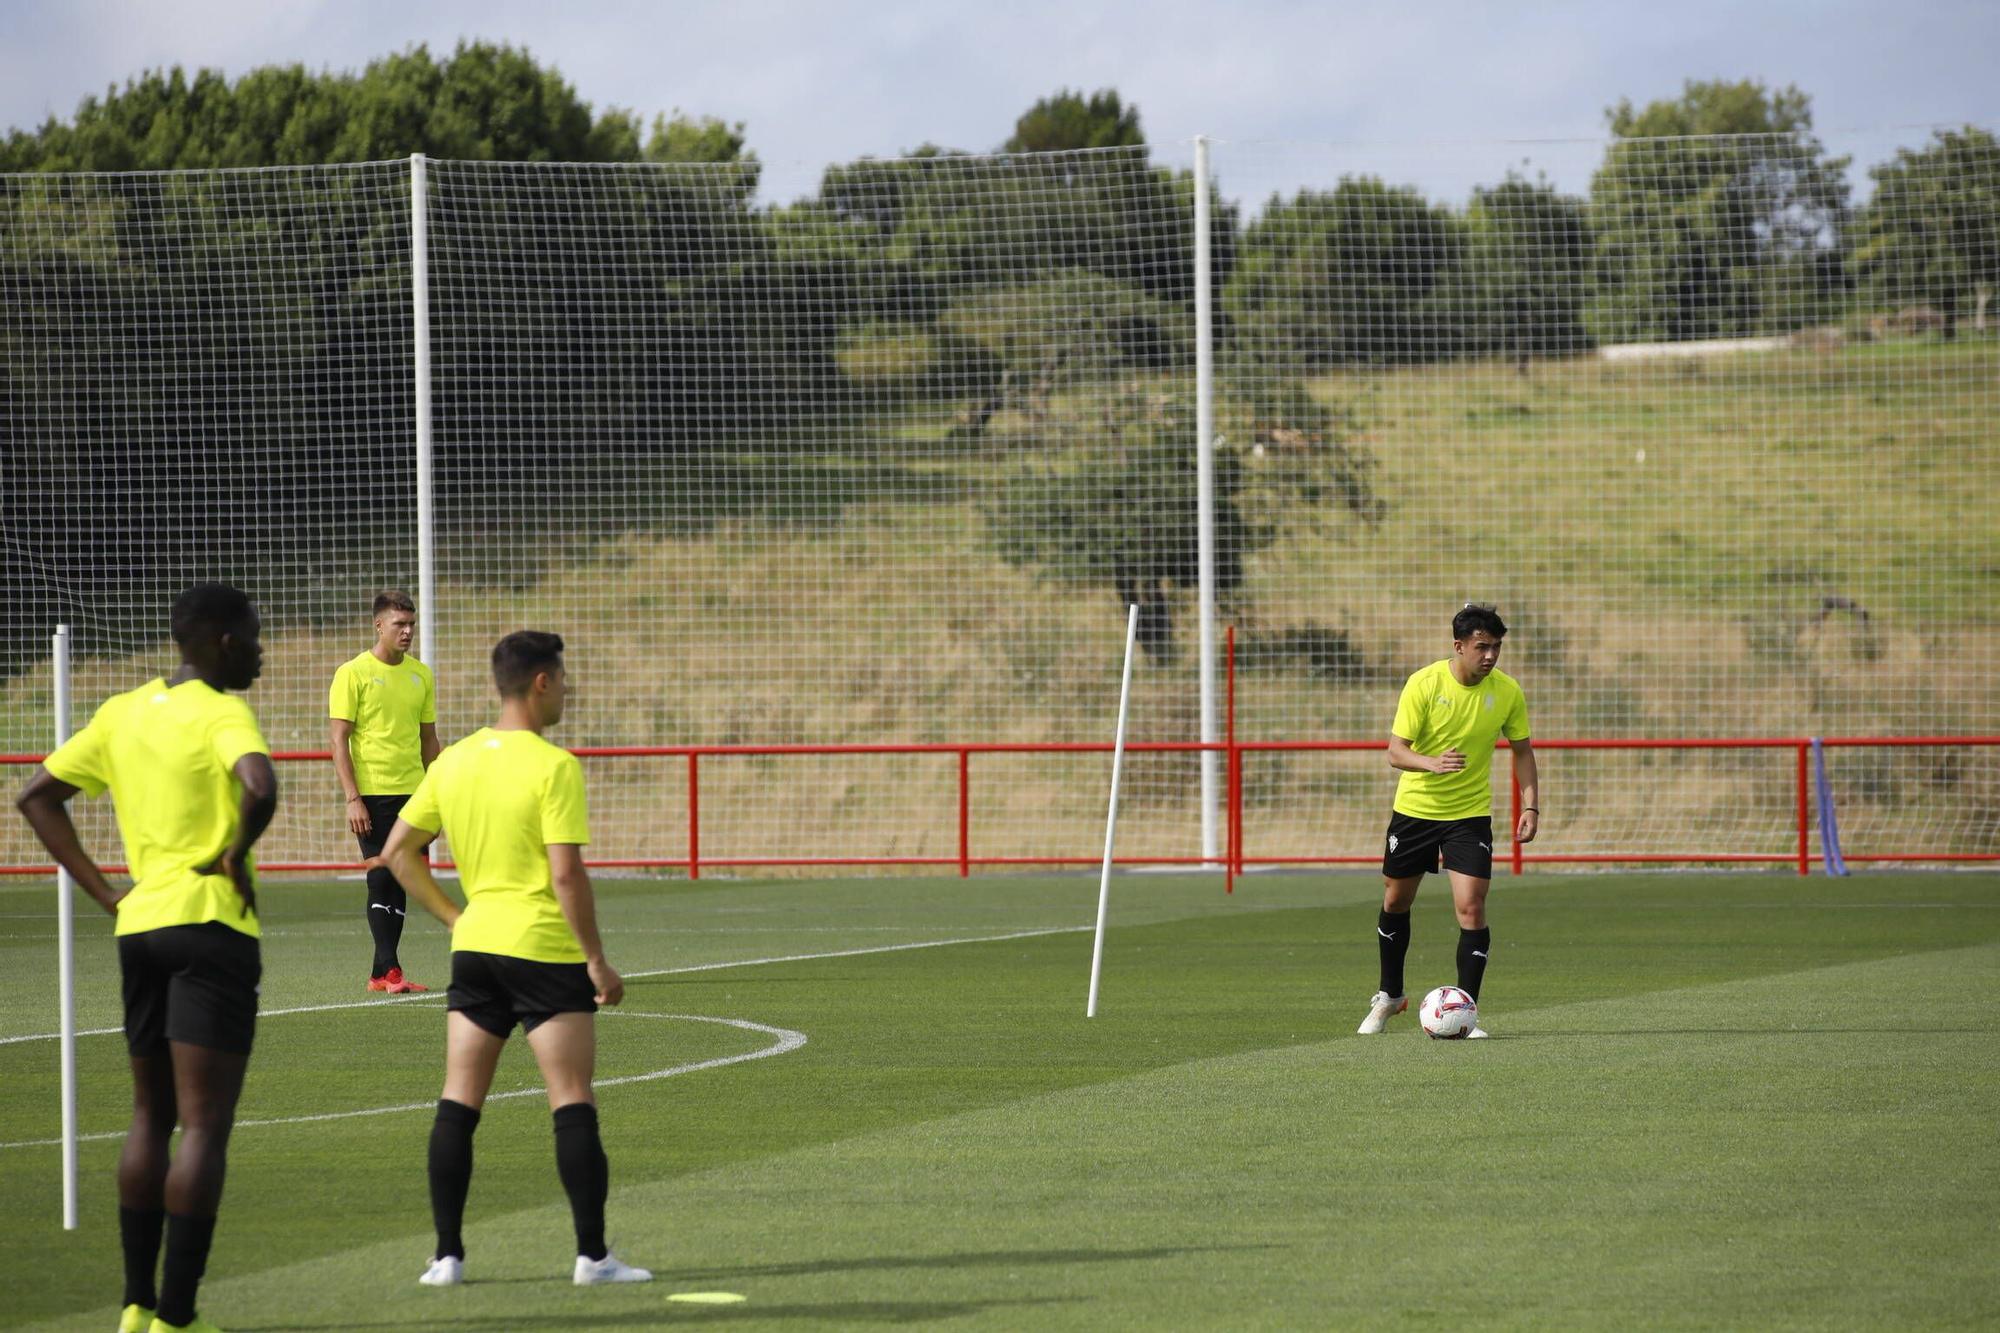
[[1526, 773], [1401, 756], [340, 729], [44, 802], [579, 908], [404, 855]]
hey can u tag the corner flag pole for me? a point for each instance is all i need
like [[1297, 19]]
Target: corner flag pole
[[1111, 820], [66, 957]]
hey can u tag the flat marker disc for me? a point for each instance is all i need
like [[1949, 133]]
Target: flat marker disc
[[706, 1297]]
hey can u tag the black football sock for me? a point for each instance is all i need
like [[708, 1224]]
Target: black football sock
[[139, 1231], [1392, 937], [586, 1175], [188, 1239], [451, 1174], [1473, 946], [386, 905]]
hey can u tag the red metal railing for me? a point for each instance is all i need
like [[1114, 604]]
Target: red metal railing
[[1236, 752]]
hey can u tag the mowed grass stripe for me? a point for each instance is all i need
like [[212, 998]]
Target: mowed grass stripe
[[1645, 1160], [904, 1039]]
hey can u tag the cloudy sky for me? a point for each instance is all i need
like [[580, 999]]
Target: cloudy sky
[[1443, 95]]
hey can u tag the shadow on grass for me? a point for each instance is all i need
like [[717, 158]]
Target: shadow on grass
[[839, 1312], [1898, 1030], [986, 1259]]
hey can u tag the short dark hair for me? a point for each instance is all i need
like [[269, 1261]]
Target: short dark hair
[[207, 611], [1476, 616], [518, 657], [394, 599]]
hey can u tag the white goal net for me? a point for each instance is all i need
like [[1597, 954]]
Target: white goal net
[[1709, 421]]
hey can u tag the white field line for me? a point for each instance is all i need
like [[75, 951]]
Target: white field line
[[787, 1040], [650, 972]]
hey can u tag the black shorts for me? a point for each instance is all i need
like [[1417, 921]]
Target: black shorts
[[1419, 846], [497, 991], [382, 812], [196, 984]]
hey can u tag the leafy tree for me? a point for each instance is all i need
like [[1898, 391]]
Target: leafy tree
[[1118, 511], [1353, 276], [1932, 231], [1069, 120], [487, 102], [1527, 269], [1716, 214]]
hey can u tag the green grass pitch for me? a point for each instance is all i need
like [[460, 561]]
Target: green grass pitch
[[1712, 1100]]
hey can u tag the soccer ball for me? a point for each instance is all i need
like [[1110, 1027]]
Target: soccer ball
[[1448, 1013]]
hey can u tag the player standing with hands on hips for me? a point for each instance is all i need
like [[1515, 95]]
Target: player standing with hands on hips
[[1447, 721], [383, 711], [191, 780], [525, 948]]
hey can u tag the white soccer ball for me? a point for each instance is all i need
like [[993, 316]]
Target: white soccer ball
[[1448, 1013]]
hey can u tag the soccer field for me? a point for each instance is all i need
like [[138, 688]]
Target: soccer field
[[1740, 1100]]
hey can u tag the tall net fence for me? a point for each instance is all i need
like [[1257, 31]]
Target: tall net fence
[[202, 375], [885, 466]]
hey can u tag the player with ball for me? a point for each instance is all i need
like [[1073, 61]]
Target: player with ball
[[1447, 721]]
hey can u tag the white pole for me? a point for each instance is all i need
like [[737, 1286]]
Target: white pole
[[1111, 820], [420, 310], [66, 958], [1204, 466]]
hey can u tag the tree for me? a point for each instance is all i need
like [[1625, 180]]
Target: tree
[[1116, 510], [1069, 120], [1716, 214], [487, 102], [1355, 276], [1932, 231], [1527, 270]]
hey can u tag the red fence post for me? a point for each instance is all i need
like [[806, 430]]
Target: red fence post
[[964, 813], [694, 815], [1805, 823]]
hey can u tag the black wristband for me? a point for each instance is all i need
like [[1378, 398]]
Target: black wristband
[[1531, 809]]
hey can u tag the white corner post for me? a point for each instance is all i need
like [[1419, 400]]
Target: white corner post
[[1204, 445], [420, 318], [1111, 819], [65, 955]]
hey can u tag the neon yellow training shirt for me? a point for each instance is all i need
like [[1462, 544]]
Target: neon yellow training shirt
[[169, 756], [1436, 714], [502, 797], [386, 704]]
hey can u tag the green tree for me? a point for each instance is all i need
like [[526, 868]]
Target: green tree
[[1352, 276], [1116, 510], [487, 102], [1527, 270], [1070, 120], [1932, 231], [1716, 214]]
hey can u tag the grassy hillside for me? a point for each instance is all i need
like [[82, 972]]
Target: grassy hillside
[[1781, 543]]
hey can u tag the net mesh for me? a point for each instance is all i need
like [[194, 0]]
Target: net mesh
[[884, 466]]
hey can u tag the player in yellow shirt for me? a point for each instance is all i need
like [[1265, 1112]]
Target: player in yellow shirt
[[383, 711], [525, 947], [1447, 721], [191, 781]]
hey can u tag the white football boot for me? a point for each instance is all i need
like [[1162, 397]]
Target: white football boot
[[591, 1272], [448, 1271], [1380, 1010]]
